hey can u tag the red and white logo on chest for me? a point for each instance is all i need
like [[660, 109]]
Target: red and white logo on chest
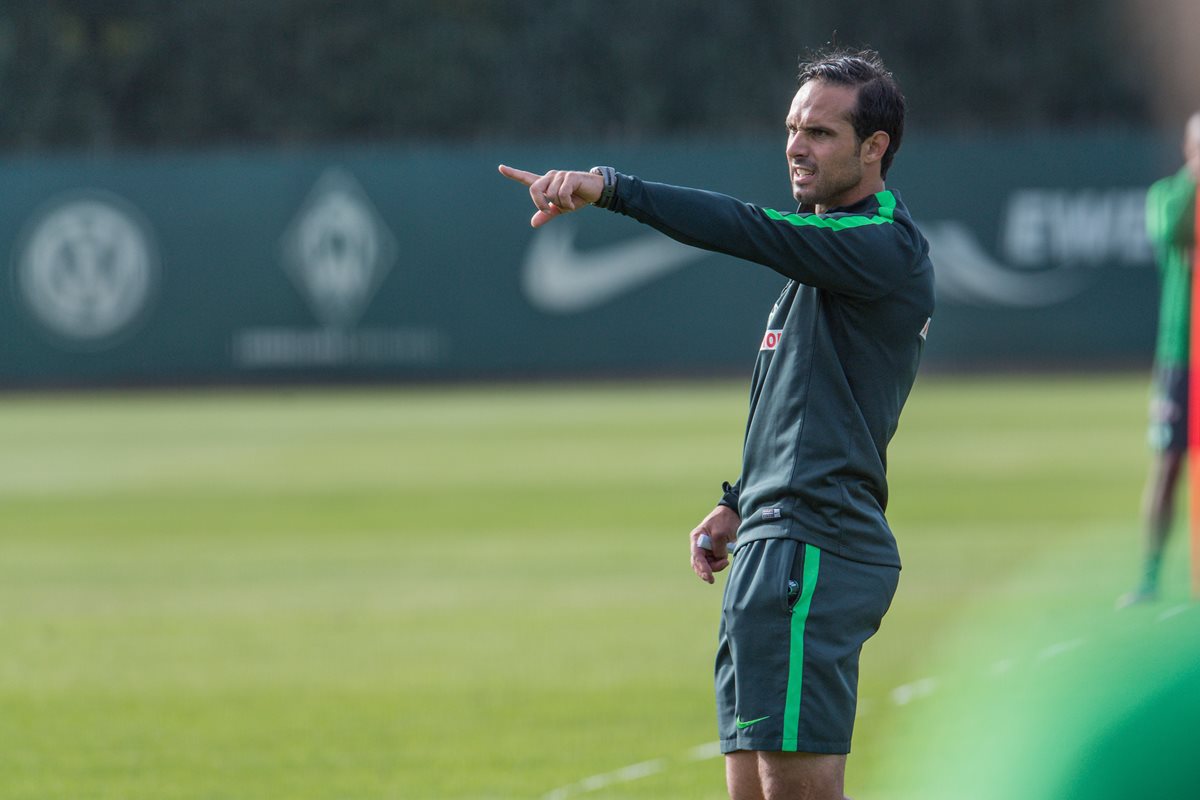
[[771, 339]]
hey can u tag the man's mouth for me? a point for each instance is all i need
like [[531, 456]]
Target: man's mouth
[[802, 174]]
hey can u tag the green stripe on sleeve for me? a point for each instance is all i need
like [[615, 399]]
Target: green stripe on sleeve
[[884, 216], [791, 708]]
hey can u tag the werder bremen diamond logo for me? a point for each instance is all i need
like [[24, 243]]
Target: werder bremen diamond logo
[[337, 249]]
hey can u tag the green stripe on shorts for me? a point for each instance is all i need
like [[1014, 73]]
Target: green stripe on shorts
[[791, 708]]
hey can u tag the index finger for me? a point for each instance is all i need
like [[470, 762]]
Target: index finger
[[701, 557], [701, 568], [519, 175]]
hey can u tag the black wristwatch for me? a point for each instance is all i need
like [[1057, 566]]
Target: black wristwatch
[[610, 186]]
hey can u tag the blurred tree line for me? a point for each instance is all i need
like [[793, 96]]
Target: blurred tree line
[[142, 74]]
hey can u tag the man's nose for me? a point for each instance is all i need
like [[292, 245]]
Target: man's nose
[[796, 145]]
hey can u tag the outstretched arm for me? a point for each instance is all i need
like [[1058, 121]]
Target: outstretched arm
[[557, 192]]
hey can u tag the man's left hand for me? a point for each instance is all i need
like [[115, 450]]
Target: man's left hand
[[721, 527]]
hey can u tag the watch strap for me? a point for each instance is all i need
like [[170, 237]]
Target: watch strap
[[610, 186]]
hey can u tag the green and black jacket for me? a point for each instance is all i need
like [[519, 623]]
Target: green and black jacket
[[837, 360], [1171, 228]]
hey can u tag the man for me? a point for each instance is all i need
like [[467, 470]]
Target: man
[[1170, 225], [816, 563]]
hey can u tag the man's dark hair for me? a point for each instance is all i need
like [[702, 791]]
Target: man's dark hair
[[880, 102]]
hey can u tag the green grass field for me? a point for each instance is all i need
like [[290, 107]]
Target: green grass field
[[484, 592]]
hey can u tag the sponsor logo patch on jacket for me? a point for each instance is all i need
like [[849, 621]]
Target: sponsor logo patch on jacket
[[771, 513], [771, 339]]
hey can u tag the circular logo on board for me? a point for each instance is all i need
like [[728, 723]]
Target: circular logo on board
[[87, 267]]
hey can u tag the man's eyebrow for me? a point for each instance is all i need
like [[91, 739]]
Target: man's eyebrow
[[790, 122]]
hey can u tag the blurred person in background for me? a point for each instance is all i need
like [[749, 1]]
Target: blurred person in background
[[816, 563], [1170, 225]]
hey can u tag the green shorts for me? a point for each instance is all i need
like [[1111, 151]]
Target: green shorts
[[793, 621]]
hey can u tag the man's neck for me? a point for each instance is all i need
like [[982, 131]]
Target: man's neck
[[874, 188]]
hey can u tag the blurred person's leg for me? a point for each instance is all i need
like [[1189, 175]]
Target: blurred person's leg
[[1168, 437], [1159, 513]]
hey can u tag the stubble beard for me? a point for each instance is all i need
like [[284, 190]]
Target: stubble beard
[[827, 189]]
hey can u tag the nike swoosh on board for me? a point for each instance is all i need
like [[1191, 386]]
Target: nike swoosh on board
[[558, 278], [964, 271]]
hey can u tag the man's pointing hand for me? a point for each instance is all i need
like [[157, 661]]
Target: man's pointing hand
[[557, 192]]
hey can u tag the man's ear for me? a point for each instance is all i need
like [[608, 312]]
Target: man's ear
[[873, 147]]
